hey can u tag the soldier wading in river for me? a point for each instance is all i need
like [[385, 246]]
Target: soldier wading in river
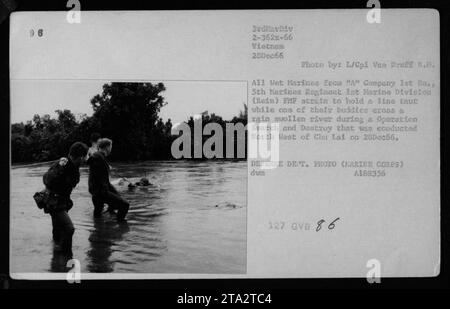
[[59, 182]]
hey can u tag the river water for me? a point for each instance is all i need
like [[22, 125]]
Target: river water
[[191, 220]]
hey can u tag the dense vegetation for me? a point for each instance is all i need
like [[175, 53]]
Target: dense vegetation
[[128, 113]]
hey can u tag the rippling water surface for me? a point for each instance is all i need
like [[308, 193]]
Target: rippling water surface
[[192, 220]]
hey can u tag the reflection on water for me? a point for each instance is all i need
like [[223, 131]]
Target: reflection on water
[[104, 235], [190, 220]]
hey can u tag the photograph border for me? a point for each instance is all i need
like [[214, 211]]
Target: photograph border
[[441, 281], [42, 276]]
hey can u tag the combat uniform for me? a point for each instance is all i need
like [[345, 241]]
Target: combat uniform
[[60, 180], [101, 189]]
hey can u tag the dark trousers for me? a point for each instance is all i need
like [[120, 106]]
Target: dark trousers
[[114, 201], [63, 230]]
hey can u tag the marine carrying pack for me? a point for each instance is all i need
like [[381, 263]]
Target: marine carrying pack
[[48, 199]]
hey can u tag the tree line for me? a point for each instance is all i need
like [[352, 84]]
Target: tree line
[[127, 113]]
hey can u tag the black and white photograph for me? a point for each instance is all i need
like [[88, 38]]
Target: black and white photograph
[[221, 148], [94, 178]]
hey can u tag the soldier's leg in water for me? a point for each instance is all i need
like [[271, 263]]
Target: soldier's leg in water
[[55, 230], [66, 230], [117, 202], [98, 202], [111, 208]]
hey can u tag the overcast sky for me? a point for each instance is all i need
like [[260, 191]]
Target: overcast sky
[[30, 97]]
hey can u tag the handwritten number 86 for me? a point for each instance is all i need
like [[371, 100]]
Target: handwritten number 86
[[321, 222]]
